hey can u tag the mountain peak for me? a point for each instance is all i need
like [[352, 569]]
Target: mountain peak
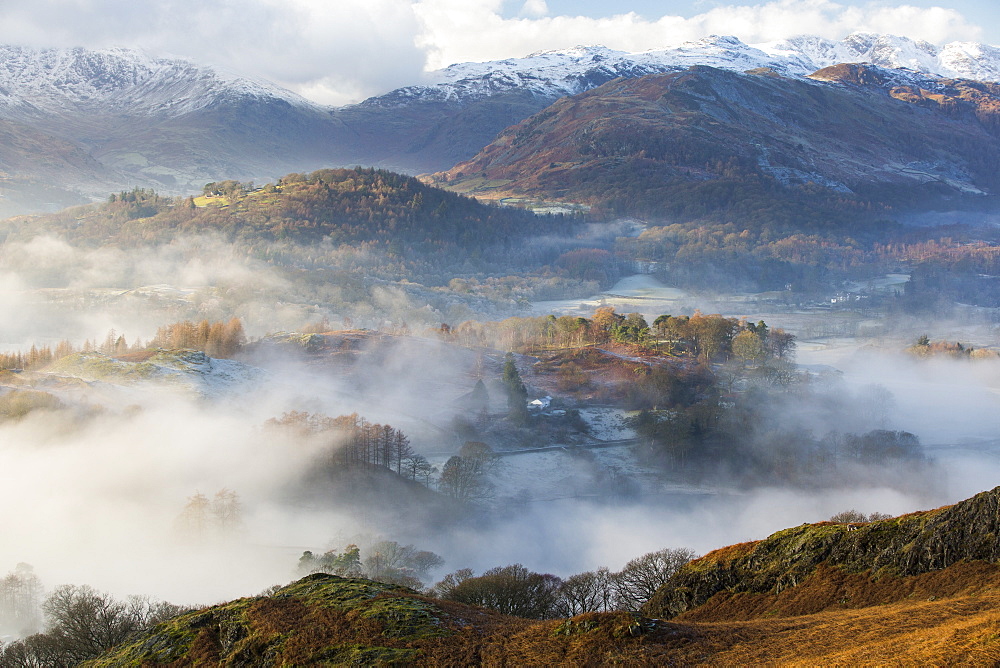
[[121, 79]]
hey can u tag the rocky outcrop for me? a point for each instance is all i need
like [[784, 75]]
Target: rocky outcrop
[[909, 545]]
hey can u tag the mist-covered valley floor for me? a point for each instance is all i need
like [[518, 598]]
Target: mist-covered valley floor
[[103, 480]]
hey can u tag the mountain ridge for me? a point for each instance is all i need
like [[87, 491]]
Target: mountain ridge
[[556, 73], [119, 80]]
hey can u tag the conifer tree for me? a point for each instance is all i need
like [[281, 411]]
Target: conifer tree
[[517, 393]]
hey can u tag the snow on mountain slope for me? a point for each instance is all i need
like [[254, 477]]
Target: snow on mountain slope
[[553, 74], [549, 74], [961, 60], [37, 82], [118, 80]]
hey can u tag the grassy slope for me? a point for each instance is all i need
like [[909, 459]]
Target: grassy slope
[[326, 620], [816, 567]]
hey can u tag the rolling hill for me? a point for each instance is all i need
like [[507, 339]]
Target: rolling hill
[[344, 205]]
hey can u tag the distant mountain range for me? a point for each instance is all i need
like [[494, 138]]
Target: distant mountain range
[[554, 74], [77, 124]]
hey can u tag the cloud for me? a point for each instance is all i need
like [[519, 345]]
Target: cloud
[[338, 52], [457, 32], [534, 8], [334, 52]]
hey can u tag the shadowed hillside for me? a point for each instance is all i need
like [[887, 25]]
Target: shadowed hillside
[[713, 145]]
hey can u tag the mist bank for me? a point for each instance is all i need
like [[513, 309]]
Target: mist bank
[[101, 488]]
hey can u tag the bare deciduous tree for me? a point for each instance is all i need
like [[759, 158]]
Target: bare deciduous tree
[[642, 576], [82, 624]]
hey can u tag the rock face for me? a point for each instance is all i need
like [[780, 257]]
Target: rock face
[[909, 545]]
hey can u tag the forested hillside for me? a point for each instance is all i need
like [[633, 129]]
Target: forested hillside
[[341, 205]]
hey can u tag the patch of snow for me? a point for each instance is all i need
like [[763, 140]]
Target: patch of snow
[[640, 293], [189, 371]]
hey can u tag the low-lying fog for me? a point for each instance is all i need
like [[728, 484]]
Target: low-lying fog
[[99, 503]]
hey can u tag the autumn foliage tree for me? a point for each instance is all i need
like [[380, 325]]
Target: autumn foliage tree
[[354, 441], [215, 339]]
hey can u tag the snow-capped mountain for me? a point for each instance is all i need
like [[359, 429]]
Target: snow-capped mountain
[[77, 124], [554, 74], [55, 81], [960, 60]]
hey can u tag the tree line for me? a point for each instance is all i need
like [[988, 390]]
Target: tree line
[[709, 337], [70, 625], [354, 441], [215, 339], [383, 560], [515, 590], [511, 590]]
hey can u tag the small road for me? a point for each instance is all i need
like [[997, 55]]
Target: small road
[[555, 448]]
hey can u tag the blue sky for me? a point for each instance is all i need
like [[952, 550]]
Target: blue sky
[[339, 51]]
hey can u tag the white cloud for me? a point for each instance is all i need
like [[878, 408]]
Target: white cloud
[[331, 51], [336, 52], [456, 32], [534, 8]]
